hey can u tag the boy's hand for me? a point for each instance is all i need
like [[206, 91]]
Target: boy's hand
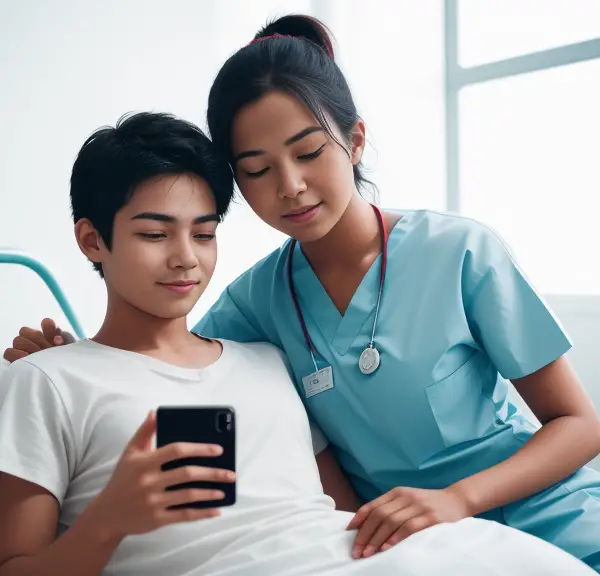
[[30, 341], [135, 500]]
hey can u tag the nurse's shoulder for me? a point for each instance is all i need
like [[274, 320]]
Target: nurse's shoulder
[[243, 310], [457, 242], [450, 232]]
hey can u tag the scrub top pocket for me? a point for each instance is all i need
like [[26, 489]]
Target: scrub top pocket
[[460, 407]]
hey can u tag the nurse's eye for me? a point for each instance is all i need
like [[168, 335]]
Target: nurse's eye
[[152, 236], [256, 174], [313, 155]]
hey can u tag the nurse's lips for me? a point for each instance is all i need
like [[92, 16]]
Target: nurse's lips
[[180, 286], [303, 214]]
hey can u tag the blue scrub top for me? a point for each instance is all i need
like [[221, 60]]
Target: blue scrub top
[[457, 319]]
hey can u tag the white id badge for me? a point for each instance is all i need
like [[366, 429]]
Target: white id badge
[[318, 382]]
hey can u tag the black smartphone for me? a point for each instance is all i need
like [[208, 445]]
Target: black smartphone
[[205, 425]]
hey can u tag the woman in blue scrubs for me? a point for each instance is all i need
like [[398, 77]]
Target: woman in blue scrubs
[[402, 329]]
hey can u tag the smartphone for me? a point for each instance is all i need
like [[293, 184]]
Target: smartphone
[[205, 425]]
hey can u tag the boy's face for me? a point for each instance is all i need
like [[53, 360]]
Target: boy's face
[[164, 249]]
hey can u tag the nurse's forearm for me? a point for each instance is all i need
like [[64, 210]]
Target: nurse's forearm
[[556, 451], [335, 483]]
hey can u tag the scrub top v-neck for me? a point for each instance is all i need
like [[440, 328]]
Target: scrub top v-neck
[[337, 328]]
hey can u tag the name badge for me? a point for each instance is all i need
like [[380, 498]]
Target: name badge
[[318, 382]]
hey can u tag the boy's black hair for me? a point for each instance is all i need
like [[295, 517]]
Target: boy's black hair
[[114, 161]]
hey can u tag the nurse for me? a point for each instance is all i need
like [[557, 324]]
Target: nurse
[[402, 328]]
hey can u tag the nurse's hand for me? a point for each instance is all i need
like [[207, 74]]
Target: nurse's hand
[[401, 512], [30, 341]]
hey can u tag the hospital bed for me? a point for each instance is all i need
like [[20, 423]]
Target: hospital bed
[[20, 258]]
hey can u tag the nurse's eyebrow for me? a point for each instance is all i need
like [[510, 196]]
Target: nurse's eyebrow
[[158, 217], [291, 140], [303, 134]]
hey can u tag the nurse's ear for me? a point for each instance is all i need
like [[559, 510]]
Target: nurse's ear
[[357, 142], [89, 240]]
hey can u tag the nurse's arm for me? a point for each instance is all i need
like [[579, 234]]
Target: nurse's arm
[[568, 439], [335, 484]]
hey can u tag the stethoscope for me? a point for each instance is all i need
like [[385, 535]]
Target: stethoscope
[[370, 358]]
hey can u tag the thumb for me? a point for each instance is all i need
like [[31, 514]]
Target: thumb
[[142, 439]]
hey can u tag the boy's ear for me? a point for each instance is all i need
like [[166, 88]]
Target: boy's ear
[[89, 240]]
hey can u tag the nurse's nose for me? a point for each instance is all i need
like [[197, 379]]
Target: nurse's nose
[[291, 182]]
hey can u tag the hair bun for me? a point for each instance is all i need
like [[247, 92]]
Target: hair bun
[[299, 26]]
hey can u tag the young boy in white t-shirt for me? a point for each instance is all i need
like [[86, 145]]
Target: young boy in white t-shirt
[[81, 486]]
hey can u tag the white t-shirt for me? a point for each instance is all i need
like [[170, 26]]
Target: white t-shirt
[[67, 413]]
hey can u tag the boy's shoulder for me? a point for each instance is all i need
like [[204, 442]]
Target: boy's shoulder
[[62, 368], [261, 354], [52, 359]]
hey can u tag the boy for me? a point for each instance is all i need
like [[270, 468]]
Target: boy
[[81, 489]]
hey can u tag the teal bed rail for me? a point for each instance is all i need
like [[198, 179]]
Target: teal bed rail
[[10, 256]]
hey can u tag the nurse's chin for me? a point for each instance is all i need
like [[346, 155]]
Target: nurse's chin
[[310, 231], [307, 235]]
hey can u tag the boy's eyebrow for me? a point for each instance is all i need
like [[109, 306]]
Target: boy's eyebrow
[[158, 217], [291, 140]]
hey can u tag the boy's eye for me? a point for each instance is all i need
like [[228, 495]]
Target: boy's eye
[[312, 155], [153, 236], [205, 237]]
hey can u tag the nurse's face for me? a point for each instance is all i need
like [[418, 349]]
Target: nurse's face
[[292, 174]]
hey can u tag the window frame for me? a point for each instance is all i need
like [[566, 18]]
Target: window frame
[[458, 77]]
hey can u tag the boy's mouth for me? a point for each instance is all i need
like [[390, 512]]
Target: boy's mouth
[[180, 286]]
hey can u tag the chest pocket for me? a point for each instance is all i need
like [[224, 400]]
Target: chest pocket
[[462, 404]]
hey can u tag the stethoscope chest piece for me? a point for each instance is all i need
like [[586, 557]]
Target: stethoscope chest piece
[[369, 360]]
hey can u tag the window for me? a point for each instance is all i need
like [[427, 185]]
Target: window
[[493, 30], [529, 150], [523, 126]]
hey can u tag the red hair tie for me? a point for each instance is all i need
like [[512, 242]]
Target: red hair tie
[[272, 36]]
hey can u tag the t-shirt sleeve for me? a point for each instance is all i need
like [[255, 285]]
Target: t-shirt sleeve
[[319, 441], [507, 317], [36, 437], [226, 320]]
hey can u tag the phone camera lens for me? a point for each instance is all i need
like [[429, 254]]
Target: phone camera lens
[[224, 422]]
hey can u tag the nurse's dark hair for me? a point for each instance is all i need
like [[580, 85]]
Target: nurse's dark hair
[[113, 162], [295, 55]]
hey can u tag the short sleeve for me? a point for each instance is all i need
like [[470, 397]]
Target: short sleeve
[[226, 320], [507, 317], [37, 440], [319, 441]]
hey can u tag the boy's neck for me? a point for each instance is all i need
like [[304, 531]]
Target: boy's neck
[[128, 328]]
